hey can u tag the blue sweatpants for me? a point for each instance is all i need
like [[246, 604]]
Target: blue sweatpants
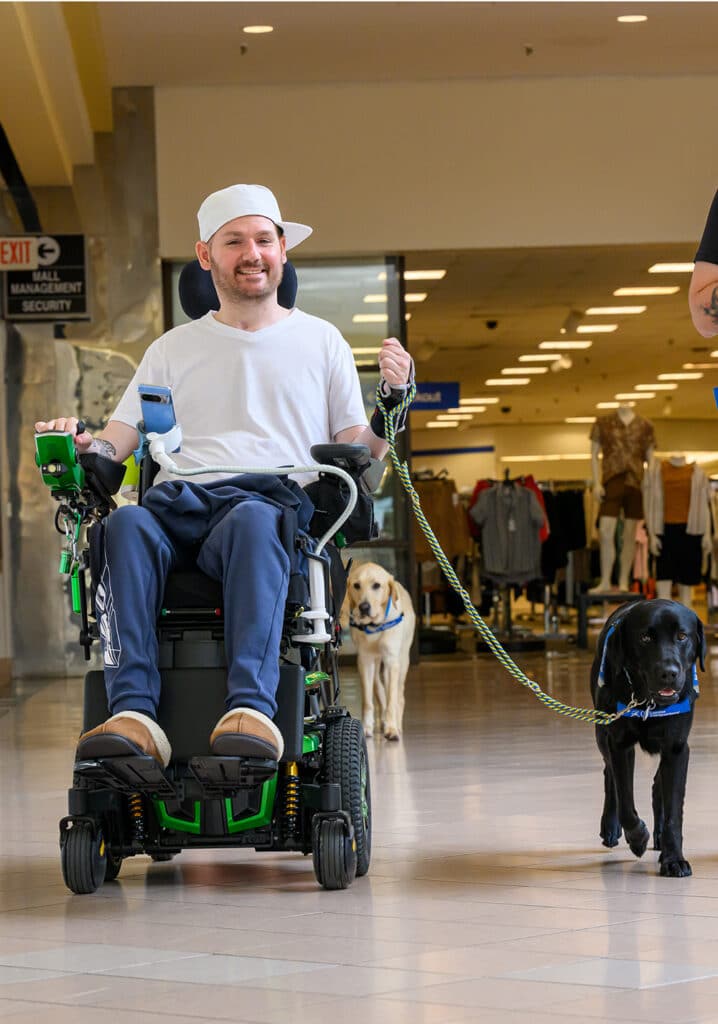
[[235, 537]]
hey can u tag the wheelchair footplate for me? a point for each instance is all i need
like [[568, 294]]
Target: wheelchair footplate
[[222, 776], [133, 773]]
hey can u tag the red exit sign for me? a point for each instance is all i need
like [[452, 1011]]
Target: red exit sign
[[19, 253]]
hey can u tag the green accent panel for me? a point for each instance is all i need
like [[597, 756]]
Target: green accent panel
[[178, 824], [263, 815], [310, 742]]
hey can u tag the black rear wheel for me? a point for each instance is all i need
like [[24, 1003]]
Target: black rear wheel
[[346, 763]]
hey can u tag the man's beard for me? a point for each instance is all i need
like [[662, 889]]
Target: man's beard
[[234, 286]]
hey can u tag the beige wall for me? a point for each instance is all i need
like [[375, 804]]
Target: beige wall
[[687, 436], [467, 164]]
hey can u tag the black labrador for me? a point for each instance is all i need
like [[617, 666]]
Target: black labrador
[[647, 652]]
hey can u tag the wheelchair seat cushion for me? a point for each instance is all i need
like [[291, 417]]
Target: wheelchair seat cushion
[[192, 589]]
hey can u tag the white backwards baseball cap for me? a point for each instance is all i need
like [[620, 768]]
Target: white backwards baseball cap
[[246, 201]]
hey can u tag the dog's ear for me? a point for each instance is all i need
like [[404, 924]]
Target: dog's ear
[[700, 645], [393, 592], [614, 656], [345, 612]]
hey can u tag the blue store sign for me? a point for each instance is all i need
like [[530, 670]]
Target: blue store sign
[[433, 395]]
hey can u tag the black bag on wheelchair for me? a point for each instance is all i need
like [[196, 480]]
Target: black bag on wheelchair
[[330, 496]]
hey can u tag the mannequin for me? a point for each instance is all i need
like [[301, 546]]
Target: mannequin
[[626, 441], [677, 505]]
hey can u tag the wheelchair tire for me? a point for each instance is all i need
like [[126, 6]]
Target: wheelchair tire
[[334, 861], [84, 859], [346, 762]]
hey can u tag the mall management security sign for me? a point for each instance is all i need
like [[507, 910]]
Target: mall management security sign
[[436, 395], [44, 277]]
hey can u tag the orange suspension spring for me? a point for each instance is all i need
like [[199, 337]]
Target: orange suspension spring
[[137, 815], [291, 800]]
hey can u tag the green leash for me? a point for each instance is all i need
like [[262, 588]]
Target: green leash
[[590, 715]]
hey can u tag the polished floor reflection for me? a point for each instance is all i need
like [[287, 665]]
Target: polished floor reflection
[[490, 897]]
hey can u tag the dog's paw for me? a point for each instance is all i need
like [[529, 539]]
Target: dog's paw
[[637, 839], [610, 831], [368, 729], [391, 732], [675, 868]]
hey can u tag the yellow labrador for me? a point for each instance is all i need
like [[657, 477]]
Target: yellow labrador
[[379, 611]]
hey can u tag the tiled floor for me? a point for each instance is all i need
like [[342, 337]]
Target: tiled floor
[[490, 897]]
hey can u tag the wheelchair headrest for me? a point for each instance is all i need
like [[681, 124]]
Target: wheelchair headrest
[[197, 292]]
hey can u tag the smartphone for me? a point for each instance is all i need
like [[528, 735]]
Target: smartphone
[[158, 413]]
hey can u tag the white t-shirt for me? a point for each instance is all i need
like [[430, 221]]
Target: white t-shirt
[[251, 398]]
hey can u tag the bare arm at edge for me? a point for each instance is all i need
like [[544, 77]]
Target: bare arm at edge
[[703, 299]]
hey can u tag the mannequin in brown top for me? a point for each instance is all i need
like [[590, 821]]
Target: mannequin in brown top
[[625, 441]]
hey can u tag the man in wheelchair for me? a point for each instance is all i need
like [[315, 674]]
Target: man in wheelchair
[[256, 384]]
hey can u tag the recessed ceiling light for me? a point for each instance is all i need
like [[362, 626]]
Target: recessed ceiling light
[[631, 19], [607, 405], [456, 416], [614, 310], [655, 387], [680, 376], [500, 382], [627, 395], [417, 275], [415, 296], [524, 369], [565, 344], [258, 30], [424, 275], [671, 268], [669, 289], [488, 400], [597, 329], [372, 350], [538, 358], [365, 364], [700, 366], [378, 297], [442, 423], [471, 409], [580, 419], [370, 318]]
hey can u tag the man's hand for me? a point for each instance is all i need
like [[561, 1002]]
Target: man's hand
[[394, 363], [69, 424]]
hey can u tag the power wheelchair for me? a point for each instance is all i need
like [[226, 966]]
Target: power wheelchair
[[316, 800]]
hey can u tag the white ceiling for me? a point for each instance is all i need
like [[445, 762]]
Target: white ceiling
[[199, 43]]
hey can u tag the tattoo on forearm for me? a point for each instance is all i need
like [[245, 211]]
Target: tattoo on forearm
[[103, 447], [712, 310]]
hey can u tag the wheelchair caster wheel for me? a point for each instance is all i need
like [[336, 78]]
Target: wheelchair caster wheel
[[84, 859], [161, 858], [334, 854]]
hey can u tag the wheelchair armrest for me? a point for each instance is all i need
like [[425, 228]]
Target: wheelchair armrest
[[351, 457], [355, 459], [103, 476]]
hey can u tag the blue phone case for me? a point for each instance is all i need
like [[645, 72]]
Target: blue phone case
[[158, 411]]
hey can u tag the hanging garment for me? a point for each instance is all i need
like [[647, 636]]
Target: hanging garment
[[510, 518]]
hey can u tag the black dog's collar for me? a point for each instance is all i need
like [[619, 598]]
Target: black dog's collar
[[651, 711]]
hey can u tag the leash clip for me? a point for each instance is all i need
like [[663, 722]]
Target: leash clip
[[649, 707]]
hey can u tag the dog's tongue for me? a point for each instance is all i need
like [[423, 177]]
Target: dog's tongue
[[667, 693]]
